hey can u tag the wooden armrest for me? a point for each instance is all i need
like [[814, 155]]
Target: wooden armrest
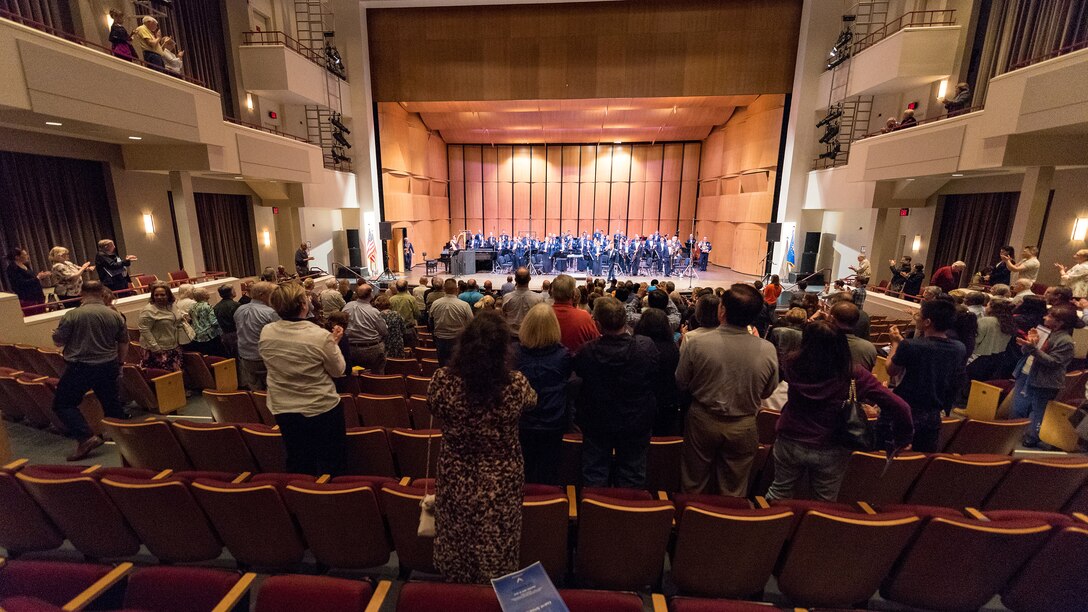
[[761, 502], [975, 514], [658, 601], [866, 508], [96, 590], [169, 391], [1080, 516], [663, 496], [236, 593], [380, 593], [324, 478], [92, 469], [225, 374], [244, 476], [16, 465], [163, 474], [572, 500], [404, 482]]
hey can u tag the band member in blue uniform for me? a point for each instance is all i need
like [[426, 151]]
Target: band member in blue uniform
[[409, 250]]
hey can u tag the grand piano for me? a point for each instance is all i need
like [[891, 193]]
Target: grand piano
[[483, 256]]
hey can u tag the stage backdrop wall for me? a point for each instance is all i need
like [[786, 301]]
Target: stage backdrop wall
[[414, 181], [550, 189]]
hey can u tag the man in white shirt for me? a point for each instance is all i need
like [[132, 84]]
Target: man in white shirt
[[1028, 268], [864, 269]]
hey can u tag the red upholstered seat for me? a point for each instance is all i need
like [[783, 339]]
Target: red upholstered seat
[[178, 589], [292, 593], [688, 604], [428, 366], [403, 367], [663, 463], [420, 411], [166, 517], [618, 493], [266, 446], [681, 500], [1054, 578], [570, 460], [401, 506], [958, 481], [410, 447], [280, 480], [766, 423], [1039, 484], [23, 525], [419, 596], [416, 385], [53, 582], [867, 480], [232, 406], [377, 384], [341, 522], [252, 521], [987, 437], [545, 523], [621, 543], [214, 447], [148, 444], [383, 410], [27, 604]]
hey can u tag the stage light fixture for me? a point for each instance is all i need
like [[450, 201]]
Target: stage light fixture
[[338, 137], [833, 114], [335, 121]]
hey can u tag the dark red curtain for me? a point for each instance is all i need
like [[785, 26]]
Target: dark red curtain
[[226, 233], [52, 201], [973, 228], [53, 13]]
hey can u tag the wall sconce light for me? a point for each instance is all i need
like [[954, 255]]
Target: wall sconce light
[[1080, 229], [109, 20], [149, 224], [942, 89], [917, 245], [249, 101], [266, 238]]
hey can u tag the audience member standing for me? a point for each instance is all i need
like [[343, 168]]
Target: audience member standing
[[481, 472], [406, 306], [1001, 275], [1040, 374], [900, 272], [1028, 268], [112, 269], [171, 57], [508, 286], [517, 303], [302, 360], [95, 341], [250, 319], [331, 299], [655, 326], [224, 314], [1076, 277], [449, 316], [864, 270], [303, 259], [913, 284], [772, 291], [948, 277], [996, 329], [616, 405], [67, 276], [207, 336], [471, 294], [786, 337], [160, 326], [120, 39], [728, 372], [820, 377], [547, 365], [844, 316], [147, 38], [185, 299], [931, 364], [958, 103], [394, 323], [575, 325], [367, 331], [705, 317], [26, 285]]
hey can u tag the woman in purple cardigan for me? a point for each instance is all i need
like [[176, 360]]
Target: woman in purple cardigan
[[819, 376]]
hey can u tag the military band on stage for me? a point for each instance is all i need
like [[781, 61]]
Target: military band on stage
[[597, 254]]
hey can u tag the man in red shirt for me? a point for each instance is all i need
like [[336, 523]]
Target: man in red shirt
[[576, 326], [948, 277]]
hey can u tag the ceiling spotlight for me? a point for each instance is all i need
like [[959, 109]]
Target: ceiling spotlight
[[617, 142], [238, 178], [135, 138], [56, 123]]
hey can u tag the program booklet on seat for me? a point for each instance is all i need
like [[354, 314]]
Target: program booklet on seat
[[528, 590]]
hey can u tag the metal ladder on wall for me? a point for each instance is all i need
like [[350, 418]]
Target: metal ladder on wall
[[312, 19]]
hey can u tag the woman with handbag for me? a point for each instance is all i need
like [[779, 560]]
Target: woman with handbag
[[820, 424], [480, 468], [162, 330]]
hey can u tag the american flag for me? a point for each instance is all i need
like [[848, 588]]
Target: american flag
[[371, 250]]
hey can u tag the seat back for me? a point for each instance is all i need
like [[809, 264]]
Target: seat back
[[53, 361], [420, 411], [663, 464], [23, 525], [32, 360], [40, 400], [422, 352], [178, 275], [1052, 579], [83, 512], [621, 543], [252, 521], [869, 478], [570, 460], [1056, 429], [341, 523], [179, 589], [143, 281], [13, 401], [1073, 391], [53, 582], [410, 448], [949, 427], [1039, 484], [829, 545], [351, 412], [367, 452], [988, 437], [383, 411], [429, 366], [545, 521], [266, 446], [403, 367], [401, 506], [447, 597], [148, 444], [197, 374], [375, 384], [232, 407], [136, 388], [983, 401], [260, 402], [958, 482], [294, 592], [766, 421], [9, 357], [416, 385], [987, 554], [166, 517], [214, 447], [753, 537]]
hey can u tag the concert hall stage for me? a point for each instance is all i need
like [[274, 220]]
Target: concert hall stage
[[715, 276]]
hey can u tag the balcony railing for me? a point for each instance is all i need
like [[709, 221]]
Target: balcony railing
[[913, 19], [270, 130], [1077, 46], [276, 37], [30, 23], [926, 121]]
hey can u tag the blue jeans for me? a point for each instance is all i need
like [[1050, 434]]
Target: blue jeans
[[1029, 401], [628, 467], [825, 466]]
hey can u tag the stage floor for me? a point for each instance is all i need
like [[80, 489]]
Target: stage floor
[[715, 276]]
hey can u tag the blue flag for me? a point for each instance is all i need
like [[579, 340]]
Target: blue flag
[[791, 259]]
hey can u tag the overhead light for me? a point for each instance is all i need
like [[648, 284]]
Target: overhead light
[[617, 142], [238, 178], [1080, 229], [917, 246], [135, 138], [957, 174], [149, 224], [56, 123]]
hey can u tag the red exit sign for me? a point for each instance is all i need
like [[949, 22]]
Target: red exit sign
[[904, 212], [276, 210]]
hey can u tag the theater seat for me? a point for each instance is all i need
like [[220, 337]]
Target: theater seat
[[428, 366], [166, 517], [377, 384], [260, 402], [570, 460], [988, 437], [1054, 578], [252, 521], [753, 538], [383, 410], [23, 525], [766, 422], [54, 582], [214, 447], [232, 406], [148, 444], [1039, 484], [869, 478], [690, 604], [962, 564], [341, 523], [402, 367], [830, 546], [420, 411], [958, 481], [209, 372], [401, 506], [266, 445], [544, 530], [621, 543], [291, 593], [153, 391], [663, 463], [187, 589], [416, 385], [420, 596], [367, 452], [410, 447]]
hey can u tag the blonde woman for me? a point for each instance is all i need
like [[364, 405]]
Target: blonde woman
[[185, 301], [160, 328], [547, 365], [67, 277]]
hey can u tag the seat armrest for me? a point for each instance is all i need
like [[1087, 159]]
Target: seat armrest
[[169, 392], [380, 593], [225, 374], [96, 590], [236, 594]]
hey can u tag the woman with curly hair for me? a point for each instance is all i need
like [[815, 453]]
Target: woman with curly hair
[[480, 476]]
